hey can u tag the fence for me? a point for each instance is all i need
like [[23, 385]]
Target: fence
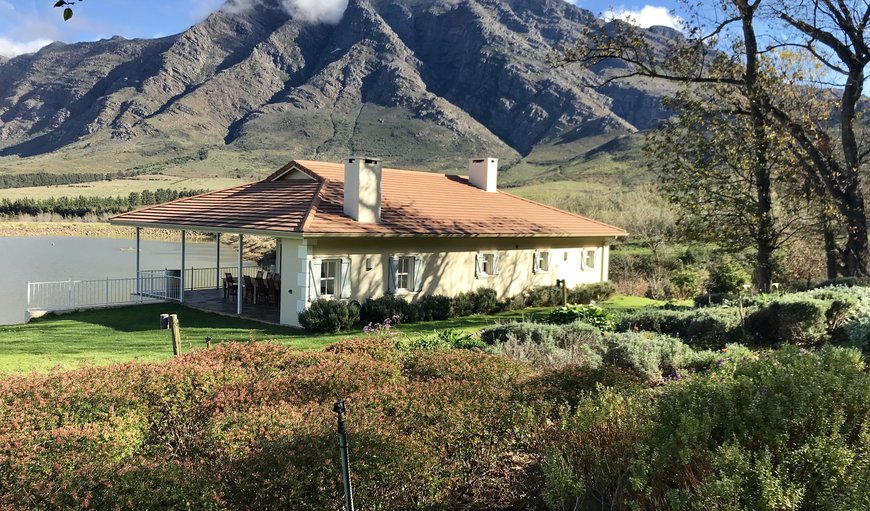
[[154, 285]]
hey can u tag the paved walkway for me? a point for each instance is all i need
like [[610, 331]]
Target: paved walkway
[[212, 300]]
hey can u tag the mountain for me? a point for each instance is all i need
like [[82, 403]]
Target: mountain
[[419, 83]]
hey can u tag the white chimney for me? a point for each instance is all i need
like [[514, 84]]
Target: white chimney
[[482, 172], [362, 189]]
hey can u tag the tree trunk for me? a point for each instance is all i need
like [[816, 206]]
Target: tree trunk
[[833, 260], [857, 251], [766, 232]]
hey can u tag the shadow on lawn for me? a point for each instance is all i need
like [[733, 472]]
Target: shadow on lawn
[[140, 318]]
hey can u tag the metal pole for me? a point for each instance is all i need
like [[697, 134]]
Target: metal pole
[[239, 279], [181, 281], [138, 289], [339, 408], [217, 271]]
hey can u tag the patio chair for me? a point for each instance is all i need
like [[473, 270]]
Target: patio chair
[[273, 291], [249, 288], [231, 287], [259, 274], [262, 289]]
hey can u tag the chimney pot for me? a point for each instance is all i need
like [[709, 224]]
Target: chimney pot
[[362, 189], [483, 173]]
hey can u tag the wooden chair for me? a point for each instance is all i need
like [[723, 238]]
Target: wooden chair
[[262, 290], [231, 287], [273, 291], [249, 289]]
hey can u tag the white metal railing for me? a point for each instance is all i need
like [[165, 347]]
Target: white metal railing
[[73, 294], [154, 285]]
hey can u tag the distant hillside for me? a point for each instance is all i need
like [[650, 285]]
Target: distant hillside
[[419, 83]]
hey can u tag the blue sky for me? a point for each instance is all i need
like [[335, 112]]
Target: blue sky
[[26, 25]]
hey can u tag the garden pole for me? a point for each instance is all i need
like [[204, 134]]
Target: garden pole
[[175, 328], [339, 408]]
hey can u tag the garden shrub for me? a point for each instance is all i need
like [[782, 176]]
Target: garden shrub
[[250, 426], [479, 301], [588, 293], [331, 316], [434, 308], [722, 440], [544, 345], [800, 318], [484, 300], [652, 356], [461, 305], [709, 328], [589, 314], [376, 310], [687, 281], [551, 296], [727, 276], [441, 340], [543, 296]]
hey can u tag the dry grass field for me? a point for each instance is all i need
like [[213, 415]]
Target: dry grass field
[[120, 187]]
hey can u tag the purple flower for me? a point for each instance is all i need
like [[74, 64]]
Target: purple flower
[[763, 392], [720, 361], [367, 329], [387, 321]]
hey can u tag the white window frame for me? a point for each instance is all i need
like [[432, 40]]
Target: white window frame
[[408, 275], [539, 258], [336, 278], [486, 265], [587, 253]]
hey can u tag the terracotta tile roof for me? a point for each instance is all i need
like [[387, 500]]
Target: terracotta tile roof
[[413, 203]]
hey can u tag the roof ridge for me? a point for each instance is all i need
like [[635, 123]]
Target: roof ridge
[[312, 206], [562, 211]]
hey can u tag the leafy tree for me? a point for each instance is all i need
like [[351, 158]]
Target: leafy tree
[[722, 56]]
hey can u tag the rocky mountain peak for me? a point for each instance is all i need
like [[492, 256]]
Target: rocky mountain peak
[[409, 80]]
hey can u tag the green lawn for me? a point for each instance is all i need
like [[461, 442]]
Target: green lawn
[[620, 302], [124, 334]]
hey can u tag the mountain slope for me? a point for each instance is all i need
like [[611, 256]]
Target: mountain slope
[[424, 83]]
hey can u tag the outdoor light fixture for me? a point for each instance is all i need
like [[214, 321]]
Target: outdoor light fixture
[[369, 263]]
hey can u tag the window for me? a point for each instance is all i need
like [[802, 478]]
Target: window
[[542, 261], [404, 273], [486, 265], [589, 259], [329, 277]]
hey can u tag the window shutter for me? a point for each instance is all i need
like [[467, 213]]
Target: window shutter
[[345, 278], [583, 260], [537, 262], [478, 265], [393, 274], [418, 273], [495, 264], [314, 285]]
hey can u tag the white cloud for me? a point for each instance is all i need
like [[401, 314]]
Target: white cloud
[[312, 11], [10, 48], [647, 16]]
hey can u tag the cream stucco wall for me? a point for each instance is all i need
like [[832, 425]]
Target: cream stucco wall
[[448, 265]]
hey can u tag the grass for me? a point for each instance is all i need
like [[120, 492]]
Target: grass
[[620, 302], [99, 337]]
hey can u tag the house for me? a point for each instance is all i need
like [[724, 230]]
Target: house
[[357, 230]]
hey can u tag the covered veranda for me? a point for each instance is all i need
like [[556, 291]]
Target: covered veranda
[[237, 287]]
